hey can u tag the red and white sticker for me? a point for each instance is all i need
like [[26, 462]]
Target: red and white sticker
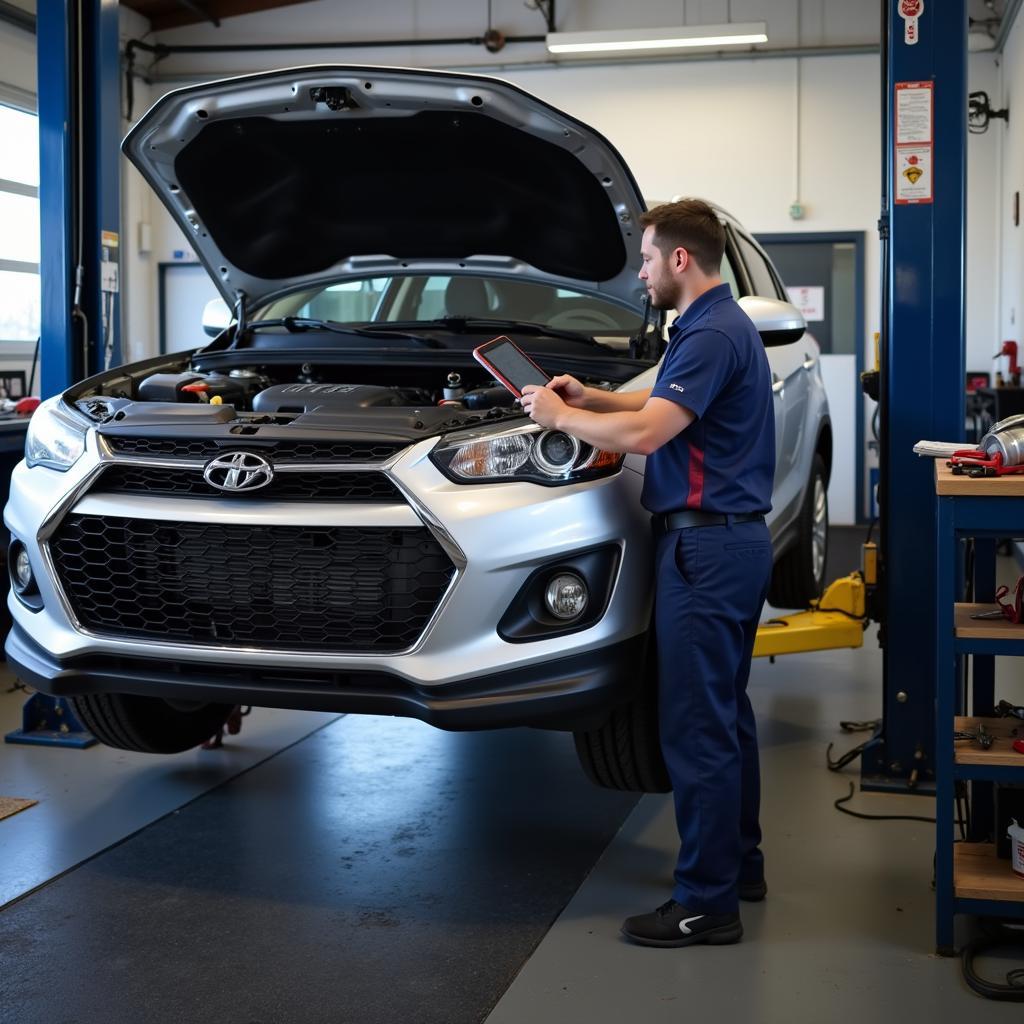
[[913, 110], [914, 174], [910, 12], [913, 141]]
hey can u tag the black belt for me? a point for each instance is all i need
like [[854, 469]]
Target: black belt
[[693, 517]]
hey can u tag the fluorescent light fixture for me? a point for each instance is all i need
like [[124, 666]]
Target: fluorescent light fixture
[[639, 39]]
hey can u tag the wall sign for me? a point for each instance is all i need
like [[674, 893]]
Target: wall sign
[[810, 300]]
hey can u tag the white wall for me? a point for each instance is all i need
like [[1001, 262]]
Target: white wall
[[983, 172], [139, 317], [1011, 140]]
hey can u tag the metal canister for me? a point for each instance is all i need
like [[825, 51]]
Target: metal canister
[[1008, 442]]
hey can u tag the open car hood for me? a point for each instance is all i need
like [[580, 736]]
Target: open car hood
[[294, 178]]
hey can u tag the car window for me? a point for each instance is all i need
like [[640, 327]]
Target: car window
[[349, 301], [417, 297], [728, 274], [761, 277]]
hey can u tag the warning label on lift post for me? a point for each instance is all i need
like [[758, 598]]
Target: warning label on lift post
[[913, 142], [910, 12]]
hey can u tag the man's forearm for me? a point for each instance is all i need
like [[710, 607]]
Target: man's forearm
[[599, 400], [622, 431]]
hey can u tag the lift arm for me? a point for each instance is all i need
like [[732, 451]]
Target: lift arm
[[837, 620]]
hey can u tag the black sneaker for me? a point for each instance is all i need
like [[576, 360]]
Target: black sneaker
[[672, 924], [753, 892]]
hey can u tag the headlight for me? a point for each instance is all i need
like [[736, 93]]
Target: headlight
[[532, 453], [54, 438]]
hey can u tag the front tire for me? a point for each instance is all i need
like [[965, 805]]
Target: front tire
[[148, 724], [799, 575], [624, 752]]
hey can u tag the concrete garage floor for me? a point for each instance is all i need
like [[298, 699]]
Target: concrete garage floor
[[846, 933], [372, 871]]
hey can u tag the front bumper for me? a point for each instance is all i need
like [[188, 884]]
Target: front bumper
[[573, 692]]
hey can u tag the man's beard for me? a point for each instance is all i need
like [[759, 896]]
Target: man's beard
[[660, 299]]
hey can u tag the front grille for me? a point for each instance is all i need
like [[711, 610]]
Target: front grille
[[302, 588], [278, 451], [189, 483]]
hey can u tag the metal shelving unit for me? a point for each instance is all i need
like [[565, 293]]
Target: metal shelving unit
[[969, 877]]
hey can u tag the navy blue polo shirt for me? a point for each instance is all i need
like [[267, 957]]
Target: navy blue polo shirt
[[715, 366]]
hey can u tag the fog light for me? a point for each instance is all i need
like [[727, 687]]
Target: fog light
[[23, 578], [566, 596]]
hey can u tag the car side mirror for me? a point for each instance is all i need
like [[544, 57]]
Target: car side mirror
[[216, 317], [778, 322]]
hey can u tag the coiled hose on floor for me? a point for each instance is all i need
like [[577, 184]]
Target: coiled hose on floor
[[995, 934]]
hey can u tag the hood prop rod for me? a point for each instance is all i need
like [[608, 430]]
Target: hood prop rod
[[638, 347], [241, 318]]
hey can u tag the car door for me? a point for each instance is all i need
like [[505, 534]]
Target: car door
[[790, 384], [734, 274]]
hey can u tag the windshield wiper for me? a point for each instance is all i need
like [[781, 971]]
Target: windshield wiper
[[473, 323], [300, 324]]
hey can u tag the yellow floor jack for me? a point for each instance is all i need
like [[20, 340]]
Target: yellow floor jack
[[836, 620]]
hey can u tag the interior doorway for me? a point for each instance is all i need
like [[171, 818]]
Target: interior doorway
[[824, 274]]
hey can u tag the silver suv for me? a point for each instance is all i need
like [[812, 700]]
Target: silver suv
[[331, 506]]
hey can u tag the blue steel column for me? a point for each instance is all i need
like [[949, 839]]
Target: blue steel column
[[923, 378], [79, 133], [102, 182], [54, 39], [946, 593]]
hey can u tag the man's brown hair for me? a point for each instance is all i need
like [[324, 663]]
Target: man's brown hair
[[692, 224]]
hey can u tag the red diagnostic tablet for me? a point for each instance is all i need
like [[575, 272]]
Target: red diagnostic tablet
[[510, 364]]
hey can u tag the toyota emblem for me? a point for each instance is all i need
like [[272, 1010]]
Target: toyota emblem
[[238, 471]]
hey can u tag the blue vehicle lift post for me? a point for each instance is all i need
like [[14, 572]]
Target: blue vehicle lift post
[[922, 372], [79, 199]]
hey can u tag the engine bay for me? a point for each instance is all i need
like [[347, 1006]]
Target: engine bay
[[252, 390], [168, 395]]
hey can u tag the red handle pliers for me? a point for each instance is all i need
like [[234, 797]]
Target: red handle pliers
[[975, 462]]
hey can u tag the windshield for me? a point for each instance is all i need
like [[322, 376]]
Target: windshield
[[390, 299]]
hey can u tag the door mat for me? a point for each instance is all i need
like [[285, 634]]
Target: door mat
[[11, 805]]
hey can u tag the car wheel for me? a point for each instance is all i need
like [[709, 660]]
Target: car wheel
[[624, 752], [148, 724], [799, 575]]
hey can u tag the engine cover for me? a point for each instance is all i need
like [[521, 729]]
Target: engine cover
[[303, 398]]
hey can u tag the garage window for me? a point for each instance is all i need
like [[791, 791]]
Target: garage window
[[19, 225]]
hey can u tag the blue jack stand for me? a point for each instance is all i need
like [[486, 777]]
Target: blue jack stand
[[50, 722]]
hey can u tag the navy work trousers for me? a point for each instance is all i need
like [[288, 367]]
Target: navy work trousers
[[711, 584]]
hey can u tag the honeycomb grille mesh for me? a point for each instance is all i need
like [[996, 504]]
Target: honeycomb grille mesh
[[355, 486], [299, 588]]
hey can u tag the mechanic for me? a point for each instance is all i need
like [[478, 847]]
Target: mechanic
[[707, 428]]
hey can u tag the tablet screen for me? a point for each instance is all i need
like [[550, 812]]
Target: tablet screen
[[514, 366]]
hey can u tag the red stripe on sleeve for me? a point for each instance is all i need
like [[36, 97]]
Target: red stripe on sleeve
[[696, 494]]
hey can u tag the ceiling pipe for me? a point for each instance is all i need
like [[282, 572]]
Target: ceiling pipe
[[161, 50]]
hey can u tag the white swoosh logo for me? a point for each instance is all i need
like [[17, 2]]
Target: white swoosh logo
[[684, 924]]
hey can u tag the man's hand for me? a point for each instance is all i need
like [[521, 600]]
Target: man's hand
[[570, 390], [543, 405]]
